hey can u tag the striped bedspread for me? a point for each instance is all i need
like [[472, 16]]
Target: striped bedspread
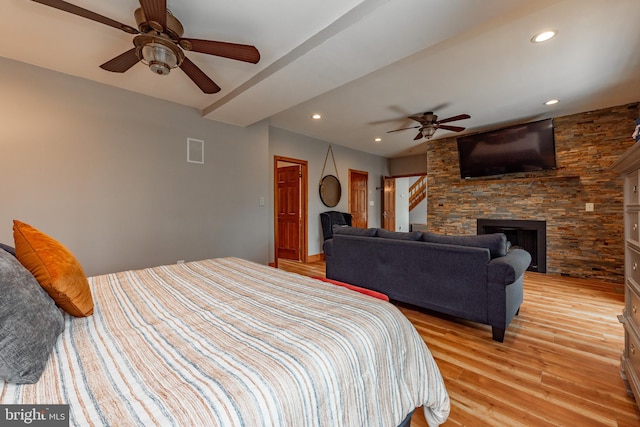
[[227, 342]]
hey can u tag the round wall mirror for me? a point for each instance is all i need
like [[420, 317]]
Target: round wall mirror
[[330, 191]]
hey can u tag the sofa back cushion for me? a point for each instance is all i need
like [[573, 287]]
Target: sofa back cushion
[[354, 231], [496, 242], [398, 235], [450, 279]]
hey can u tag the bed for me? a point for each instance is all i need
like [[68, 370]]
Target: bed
[[228, 342]]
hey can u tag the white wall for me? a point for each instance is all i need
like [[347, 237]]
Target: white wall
[[292, 145], [418, 215], [402, 204], [104, 171]]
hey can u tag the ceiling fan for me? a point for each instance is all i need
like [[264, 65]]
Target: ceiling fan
[[159, 43], [429, 123]]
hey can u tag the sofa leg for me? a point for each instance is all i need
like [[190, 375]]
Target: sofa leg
[[498, 334], [518, 312]]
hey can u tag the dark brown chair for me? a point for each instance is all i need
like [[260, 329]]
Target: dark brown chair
[[331, 218]]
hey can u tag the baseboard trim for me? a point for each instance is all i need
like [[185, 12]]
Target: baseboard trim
[[310, 258]]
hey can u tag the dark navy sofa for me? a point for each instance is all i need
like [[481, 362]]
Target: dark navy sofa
[[477, 278]]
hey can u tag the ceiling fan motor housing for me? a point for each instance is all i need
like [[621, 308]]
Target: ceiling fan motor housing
[[429, 118], [156, 46], [173, 29]]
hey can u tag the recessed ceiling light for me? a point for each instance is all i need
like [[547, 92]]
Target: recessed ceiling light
[[316, 117], [544, 36], [551, 102], [378, 139]]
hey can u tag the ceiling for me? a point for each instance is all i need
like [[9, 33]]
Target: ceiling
[[364, 65]]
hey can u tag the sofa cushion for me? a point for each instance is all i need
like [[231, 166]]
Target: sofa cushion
[[398, 235], [29, 323], [496, 242], [354, 231], [55, 268]]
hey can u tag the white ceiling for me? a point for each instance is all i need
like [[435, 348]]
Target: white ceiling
[[363, 64]]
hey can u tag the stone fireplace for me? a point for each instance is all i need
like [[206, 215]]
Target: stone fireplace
[[527, 234]]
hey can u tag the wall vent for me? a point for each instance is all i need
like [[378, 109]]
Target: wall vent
[[195, 150]]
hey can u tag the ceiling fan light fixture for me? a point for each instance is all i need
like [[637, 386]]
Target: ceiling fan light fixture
[[158, 54], [428, 131], [159, 58]]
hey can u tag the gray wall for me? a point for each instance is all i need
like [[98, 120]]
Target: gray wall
[[104, 171], [288, 144]]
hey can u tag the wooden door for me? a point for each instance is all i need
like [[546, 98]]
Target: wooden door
[[358, 197], [288, 212], [389, 204]]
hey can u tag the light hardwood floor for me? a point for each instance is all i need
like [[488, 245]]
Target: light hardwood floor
[[559, 364]]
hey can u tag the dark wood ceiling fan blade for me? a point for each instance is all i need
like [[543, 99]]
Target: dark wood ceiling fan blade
[[155, 11], [122, 62], [76, 10], [453, 128], [397, 130], [418, 136], [454, 118], [239, 52], [199, 77]]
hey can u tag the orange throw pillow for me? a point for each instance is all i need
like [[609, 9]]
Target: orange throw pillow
[[55, 268]]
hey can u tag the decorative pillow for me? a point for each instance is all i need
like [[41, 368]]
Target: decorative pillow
[[8, 248], [29, 323], [398, 235], [55, 268], [354, 231], [496, 242]]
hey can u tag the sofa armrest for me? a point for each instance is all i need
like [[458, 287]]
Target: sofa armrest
[[507, 269]]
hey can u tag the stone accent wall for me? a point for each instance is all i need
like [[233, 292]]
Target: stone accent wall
[[579, 243]]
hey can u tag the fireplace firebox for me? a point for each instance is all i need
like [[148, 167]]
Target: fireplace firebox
[[527, 234]]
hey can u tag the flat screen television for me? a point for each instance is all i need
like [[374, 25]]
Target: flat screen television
[[520, 148]]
